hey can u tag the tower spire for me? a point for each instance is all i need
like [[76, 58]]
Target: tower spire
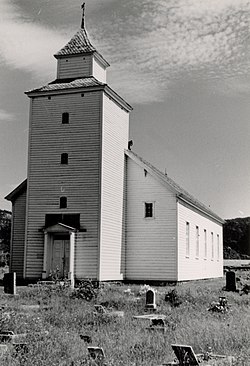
[[83, 16]]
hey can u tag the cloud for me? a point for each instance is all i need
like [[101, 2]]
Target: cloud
[[25, 45], [5, 116], [163, 41], [150, 44]]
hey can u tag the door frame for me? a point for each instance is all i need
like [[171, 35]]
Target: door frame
[[63, 237], [49, 234]]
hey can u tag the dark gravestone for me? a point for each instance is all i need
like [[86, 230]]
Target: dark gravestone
[[97, 355], [150, 300], [230, 281], [86, 338], [185, 355], [9, 283]]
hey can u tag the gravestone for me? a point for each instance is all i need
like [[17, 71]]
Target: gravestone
[[6, 336], [100, 309], [157, 324], [3, 350], [185, 355], [230, 281], [9, 283], [150, 300], [86, 338], [97, 355]]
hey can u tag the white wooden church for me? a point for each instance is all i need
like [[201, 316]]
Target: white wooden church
[[91, 207]]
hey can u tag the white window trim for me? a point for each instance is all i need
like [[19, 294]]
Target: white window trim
[[144, 210], [187, 237]]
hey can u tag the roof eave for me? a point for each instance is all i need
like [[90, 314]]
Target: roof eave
[[67, 55], [180, 196], [111, 93], [98, 56], [37, 93], [17, 191], [203, 210]]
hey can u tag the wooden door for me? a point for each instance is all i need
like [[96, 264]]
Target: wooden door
[[60, 257]]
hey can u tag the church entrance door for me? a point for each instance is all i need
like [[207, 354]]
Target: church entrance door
[[60, 256]]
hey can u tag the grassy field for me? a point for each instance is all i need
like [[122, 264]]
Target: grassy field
[[125, 340]]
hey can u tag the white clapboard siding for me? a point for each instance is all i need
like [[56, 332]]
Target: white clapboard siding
[[193, 266], [18, 234], [151, 252], [99, 71], [114, 141], [78, 181], [74, 67]]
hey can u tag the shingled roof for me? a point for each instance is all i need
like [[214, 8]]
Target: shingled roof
[[68, 84], [79, 45], [181, 193]]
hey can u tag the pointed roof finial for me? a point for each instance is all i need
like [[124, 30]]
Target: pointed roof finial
[[83, 16]]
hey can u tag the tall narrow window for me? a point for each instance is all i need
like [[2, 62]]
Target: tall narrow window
[[63, 202], [65, 118], [64, 158], [218, 247], [197, 252], [212, 245], [205, 243], [187, 239], [149, 209]]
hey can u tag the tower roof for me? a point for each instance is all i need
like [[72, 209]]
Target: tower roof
[[80, 44]]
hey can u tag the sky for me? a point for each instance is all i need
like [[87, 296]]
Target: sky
[[184, 66]]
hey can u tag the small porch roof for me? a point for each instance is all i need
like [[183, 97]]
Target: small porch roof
[[60, 228]]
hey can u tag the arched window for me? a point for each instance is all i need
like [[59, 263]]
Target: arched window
[[64, 158], [63, 202], [65, 118]]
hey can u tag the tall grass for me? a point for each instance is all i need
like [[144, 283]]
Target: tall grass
[[125, 340]]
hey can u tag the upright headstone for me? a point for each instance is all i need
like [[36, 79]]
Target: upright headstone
[[230, 281], [97, 355], [150, 300], [9, 283]]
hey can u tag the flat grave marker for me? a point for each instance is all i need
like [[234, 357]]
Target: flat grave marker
[[86, 338]]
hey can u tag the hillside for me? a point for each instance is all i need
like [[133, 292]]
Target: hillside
[[236, 238]]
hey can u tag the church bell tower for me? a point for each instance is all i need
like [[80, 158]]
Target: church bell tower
[[79, 129]]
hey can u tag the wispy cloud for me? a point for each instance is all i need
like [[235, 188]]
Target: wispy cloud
[[5, 116], [150, 44], [25, 45], [162, 41]]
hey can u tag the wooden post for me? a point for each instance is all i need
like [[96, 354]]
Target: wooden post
[[45, 256], [72, 259]]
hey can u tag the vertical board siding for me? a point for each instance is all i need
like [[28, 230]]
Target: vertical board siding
[[98, 71], [150, 242], [78, 181], [194, 267], [114, 141], [74, 67], [18, 235]]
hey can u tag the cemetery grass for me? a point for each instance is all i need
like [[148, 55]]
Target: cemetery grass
[[125, 340]]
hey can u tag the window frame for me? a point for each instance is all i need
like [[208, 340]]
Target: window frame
[[64, 159], [197, 242], [65, 118], [63, 202], [212, 245], [151, 210], [187, 239], [205, 244], [218, 247]]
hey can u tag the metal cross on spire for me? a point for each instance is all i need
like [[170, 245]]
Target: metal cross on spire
[[83, 16]]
